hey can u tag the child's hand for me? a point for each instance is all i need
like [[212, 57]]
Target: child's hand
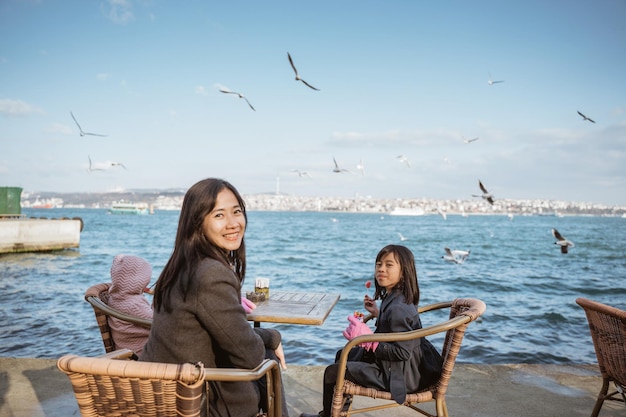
[[371, 306], [358, 328], [247, 305]]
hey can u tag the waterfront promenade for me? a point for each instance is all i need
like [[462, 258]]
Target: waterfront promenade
[[36, 388]]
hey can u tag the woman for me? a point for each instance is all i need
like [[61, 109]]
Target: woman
[[198, 314], [397, 367]]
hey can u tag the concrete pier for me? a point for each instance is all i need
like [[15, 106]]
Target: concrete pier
[[19, 234], [36, 388]]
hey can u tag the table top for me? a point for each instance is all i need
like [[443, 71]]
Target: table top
[[294, 308]]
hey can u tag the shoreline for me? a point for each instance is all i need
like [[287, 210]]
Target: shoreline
[[32, 387]]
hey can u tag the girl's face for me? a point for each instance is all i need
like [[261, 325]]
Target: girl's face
[[226, 224], [388, 271]]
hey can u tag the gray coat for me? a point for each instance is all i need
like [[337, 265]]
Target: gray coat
[[210, 326], [395, 366]]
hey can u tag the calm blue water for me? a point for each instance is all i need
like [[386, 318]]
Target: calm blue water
[[528, 285]]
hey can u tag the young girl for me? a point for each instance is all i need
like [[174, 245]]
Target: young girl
[[198, 312], [397, 367], [130, 275]]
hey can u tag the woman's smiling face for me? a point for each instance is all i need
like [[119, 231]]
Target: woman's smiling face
[[388, 271], [225, 225]]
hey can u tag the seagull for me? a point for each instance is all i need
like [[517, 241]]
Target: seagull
[[456, 256], [585, 117], [82, 133], [402, 237], [337, 169], [442, 213], [361, 167], [118, 164], [491, 82], [240, 96], [301, 173], [298, 76], [91, 167], [486, 194], [404, 159], [561, 241], [469, 140]]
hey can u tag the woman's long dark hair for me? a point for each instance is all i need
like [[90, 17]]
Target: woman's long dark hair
[[408, 283], [191, 245]]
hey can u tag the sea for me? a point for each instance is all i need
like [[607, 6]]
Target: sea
[[514, 266]]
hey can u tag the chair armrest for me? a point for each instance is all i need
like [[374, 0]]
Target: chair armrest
[[422, 309], [235, 374], [100, 305], [119, 354]]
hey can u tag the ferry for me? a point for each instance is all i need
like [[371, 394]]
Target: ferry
[[123, 207]]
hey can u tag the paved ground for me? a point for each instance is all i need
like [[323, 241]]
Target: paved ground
[[35, 388]]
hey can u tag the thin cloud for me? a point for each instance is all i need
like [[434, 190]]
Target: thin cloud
[[59, 128], [119, 11], [201, 90], [11, 107], [103, 76], [396, 137]]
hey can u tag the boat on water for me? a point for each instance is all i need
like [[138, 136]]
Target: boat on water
[[125, 207], [405, 211]]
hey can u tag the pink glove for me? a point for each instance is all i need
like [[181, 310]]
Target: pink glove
[[358, 328], [247, 305]]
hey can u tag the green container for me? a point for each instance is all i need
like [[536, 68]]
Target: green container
[[10, 200]]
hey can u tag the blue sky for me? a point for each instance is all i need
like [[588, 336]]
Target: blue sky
[[395, 78]]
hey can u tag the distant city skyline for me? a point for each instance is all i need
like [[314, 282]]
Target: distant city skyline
[[414, 100]]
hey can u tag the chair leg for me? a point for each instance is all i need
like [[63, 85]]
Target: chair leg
[[601, 397], [442, 409]]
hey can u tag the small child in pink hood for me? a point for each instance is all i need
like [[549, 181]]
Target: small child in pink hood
[[130, 275]]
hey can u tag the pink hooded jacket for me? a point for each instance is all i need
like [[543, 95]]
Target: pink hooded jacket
[[130, 275]]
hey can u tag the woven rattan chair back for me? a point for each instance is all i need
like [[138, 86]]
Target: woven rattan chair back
[[115, 385], [462, 312], [97, 296], [608, 331]]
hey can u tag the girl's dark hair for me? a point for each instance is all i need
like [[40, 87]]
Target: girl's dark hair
[[191, 245], [408, 283]]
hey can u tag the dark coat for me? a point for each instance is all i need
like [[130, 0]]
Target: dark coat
[[210, 326], [395, 366]]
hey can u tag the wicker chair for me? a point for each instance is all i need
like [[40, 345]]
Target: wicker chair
[[97, 295], [608, 332], [113, 385], [462, 312]]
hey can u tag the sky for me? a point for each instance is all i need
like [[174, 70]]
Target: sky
[[396, 78]]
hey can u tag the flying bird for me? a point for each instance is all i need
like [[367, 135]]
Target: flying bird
[[80, 129], [585, 117], [491, 82], [118, 164], [455, 256], [469, 140], [240, 96], [298, 76], [402, 237], [405, 160], [301, 173], [442, 213], [337, 169], [361, 167], [486, 195], [91, 167], [561, 241]]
